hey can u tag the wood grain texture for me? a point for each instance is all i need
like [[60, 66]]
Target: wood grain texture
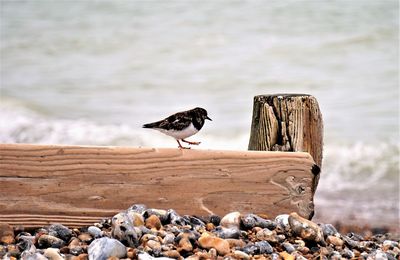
[[288, 122], [77, 185]]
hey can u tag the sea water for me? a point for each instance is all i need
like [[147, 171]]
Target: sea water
[[85, 72]]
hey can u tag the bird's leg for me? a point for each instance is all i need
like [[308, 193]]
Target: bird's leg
[[180, 146], [192, 143]]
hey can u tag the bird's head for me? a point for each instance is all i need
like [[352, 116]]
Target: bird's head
[[202, 112]]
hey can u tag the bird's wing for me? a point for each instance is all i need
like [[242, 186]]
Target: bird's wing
[[177, 121]]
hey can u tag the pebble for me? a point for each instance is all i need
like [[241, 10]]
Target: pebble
[[26, 255], [328, 230], [250, 221], [60, 231], [287, 256], [6, 234], [53, 254], [123, 230], [224, 232], [103, 248], [46, 241], [172, 254], [208, 241], [334, 241], [145, 256], [283, 222], [347, 253], [240, 255], [85, 237], [146, 233], [184, 244], [231, 220], [175, 219], [95, 231], [236, 243], [288, 247], [264, 247], [268, 235], [304, 228], [153, 222]]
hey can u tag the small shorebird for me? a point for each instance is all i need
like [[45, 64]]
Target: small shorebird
[[182, 125]]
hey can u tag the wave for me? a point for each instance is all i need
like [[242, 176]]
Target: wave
[[20, 125]]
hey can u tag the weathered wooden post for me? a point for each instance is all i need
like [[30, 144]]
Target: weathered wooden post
[[288, 122]]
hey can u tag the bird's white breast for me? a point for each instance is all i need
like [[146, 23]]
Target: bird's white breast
[[182, 134]]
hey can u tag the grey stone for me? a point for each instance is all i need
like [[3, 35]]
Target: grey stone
[[251, 220], [145, 256], [46, 241], [95, 231], [124, 231], [264, 247], [103, 248], [60, 231]]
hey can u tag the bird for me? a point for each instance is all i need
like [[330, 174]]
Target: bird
[[181, 125]]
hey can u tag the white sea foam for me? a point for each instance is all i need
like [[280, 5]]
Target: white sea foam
[[360, 184]]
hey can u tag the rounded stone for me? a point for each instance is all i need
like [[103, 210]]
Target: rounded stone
[[172, 254], [333, 240], [236, 243], [306, 229], [231, 220], [288, 247], [53, 254], [13, 251], [60, 231], [250, 249], [240, 255], [95, 231], [282, 221], [123, 230], [6, 234], [103, 248], [175, 218], [268, 235], [153, 222], [328, 230], [77, 250], [250, 221], [145, 256], [264, 247], [168, 239], [136, 219], [184, 244], [46, 241], [287, 256], [85, 237], [7, 239], [207, 241], [138, 208], [224, 232]]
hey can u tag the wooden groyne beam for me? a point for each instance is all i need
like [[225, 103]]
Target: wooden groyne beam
[[78, 185]]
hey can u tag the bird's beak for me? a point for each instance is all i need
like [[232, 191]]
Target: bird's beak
[[208, 118]]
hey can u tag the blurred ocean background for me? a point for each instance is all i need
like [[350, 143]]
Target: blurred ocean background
[[92, 72]]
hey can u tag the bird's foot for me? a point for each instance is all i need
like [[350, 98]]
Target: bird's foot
[[191, 143], [180, 146], [183, 147]]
